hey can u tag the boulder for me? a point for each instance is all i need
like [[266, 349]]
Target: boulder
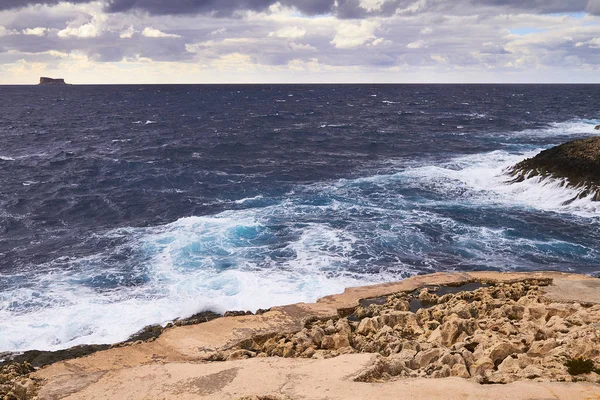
[[427, 357], [542, 348], [426, 298], [240, 355], [502, 350], [480, 366], [447, 333], [368, 326]]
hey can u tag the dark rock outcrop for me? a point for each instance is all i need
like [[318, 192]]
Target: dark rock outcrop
[[50, 81], [578, 162]]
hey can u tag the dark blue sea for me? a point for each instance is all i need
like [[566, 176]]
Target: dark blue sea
[[125, 206]]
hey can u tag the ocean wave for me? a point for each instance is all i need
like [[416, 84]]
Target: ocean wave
[[319, 240], [484, 179], [573, 127], [197, 263]]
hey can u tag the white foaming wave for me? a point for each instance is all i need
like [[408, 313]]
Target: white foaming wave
[[567, 128], [201, 263], [183, 276], [246, 199], [487, 174], [6, 158]]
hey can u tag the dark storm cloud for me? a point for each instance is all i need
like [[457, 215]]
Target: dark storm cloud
[[344, 8], [541, 6], [178, 7], [218, 7], [10, 4]]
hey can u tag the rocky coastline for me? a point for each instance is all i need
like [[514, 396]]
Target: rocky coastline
[[531, 331], [499, 333], [576, 162]]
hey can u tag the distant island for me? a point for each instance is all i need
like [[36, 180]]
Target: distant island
[[50, 81]]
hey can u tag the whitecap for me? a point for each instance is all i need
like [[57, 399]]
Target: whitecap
[[246, 199], [574, 127]]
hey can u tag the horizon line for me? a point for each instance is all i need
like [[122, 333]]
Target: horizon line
[[305, 83]]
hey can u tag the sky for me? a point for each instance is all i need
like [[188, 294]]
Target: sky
[[300, 41]]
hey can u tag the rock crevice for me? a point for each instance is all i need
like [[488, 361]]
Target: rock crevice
[[495, 334]]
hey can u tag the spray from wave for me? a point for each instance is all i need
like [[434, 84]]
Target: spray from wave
[[316, 241]]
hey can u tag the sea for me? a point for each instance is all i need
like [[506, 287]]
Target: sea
[[126, 206]]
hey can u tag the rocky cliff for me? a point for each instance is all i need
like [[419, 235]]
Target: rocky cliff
[[50, 81], [578, 162]]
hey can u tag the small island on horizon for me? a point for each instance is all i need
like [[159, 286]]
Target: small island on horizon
[[51, 81]]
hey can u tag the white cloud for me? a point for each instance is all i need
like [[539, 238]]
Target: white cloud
[[593, 43], [349, 35], [7, 32], [290, 32], [39, 31], [90, 29], [155, 33], [371, 5], [127, 33], [234, 61], [275, 45], [439, 58], [380, 41], [220, 31], [302, 47], [419, 44]]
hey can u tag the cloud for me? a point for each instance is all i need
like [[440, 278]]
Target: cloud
[[155, 33], [127, 33], [349, 35], [90, 29], [290, 32], [302, 47], [16, 4], [340, 8], [216, 7], [39, 31], [220, 31], [419, 44], [6, 32], [380, 39]]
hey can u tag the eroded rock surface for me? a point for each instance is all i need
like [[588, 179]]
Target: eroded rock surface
[[15, 383], [496, 334]]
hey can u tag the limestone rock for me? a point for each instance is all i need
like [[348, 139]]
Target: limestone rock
[[480, 366]]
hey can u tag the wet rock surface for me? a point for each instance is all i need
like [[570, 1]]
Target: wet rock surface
[[577, 161], [493, 334]]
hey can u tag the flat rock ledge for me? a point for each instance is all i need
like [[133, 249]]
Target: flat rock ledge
[[577, 163], [533, 335]]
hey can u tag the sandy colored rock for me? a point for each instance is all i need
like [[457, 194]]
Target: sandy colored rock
[[383, 351]]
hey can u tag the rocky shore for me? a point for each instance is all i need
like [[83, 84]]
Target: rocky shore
[[577, 162], [499, 333], [528, 333]]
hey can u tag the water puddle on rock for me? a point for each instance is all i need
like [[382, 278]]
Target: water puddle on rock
[[415, 303]]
